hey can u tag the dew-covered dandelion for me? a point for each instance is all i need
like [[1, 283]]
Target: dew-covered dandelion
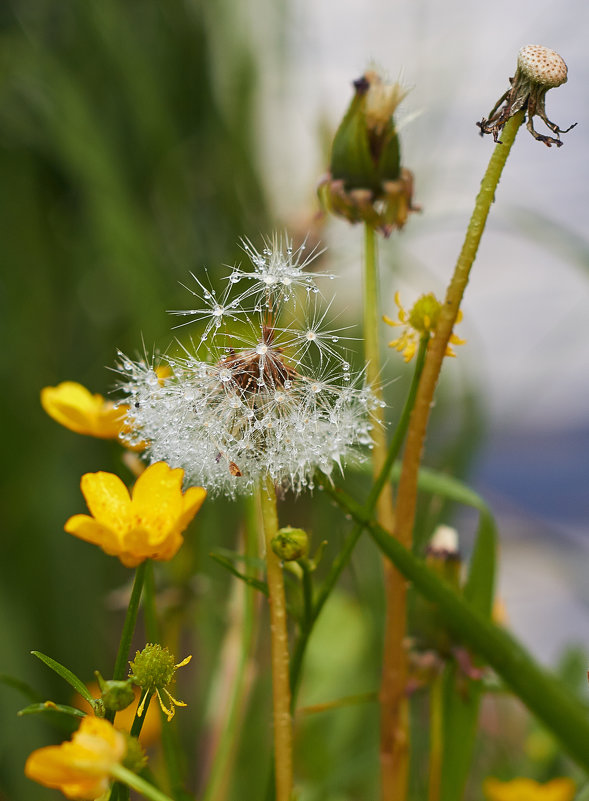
[[257, 397]]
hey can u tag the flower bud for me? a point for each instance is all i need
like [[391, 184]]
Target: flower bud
[[135, 758], [443, 556], [115, 695], [366, 182], [290, 544]]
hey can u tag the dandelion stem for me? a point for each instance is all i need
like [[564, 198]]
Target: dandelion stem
[[407, 493], [279, 646], [394, 731], [122, 660]]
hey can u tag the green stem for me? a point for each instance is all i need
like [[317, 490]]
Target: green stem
[[543, 694], [436, 746], [135, 782], [218, 779], [122, 660], [152, 628], [407, 493], [138, 720], [343, 557], [279, 647]]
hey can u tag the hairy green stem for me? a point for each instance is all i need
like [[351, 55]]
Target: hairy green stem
[[279, 647], [407, 493]]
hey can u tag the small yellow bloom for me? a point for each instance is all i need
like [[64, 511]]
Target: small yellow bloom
[[76, 408], [529, 790], [146, 525], [421, 321], [80, 768]]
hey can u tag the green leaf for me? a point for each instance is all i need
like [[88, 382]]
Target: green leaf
[[21, 686], [461, 697], [543, 694], [49, 708], [67, 675], [225, 562]]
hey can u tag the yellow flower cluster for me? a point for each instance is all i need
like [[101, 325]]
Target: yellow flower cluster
[[147, 524], [81, 769], [421, 321]]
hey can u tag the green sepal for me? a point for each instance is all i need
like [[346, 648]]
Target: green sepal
[[227, 562], [67, 675], [389, 161], [351, 160]]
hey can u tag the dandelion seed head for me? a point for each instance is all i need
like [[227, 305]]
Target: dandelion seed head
[[250, 404]]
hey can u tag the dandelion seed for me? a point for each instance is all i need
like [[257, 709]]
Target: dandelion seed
[[255, 407]]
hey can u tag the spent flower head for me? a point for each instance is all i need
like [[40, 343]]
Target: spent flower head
[[154, 669], [255, 397], [538, 70], [419, 322]]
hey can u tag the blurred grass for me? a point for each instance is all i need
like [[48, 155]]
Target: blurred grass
[[124, 163]]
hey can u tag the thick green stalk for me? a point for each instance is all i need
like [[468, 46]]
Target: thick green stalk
[[218, 780], [394, 721], [279, 647], [542, 693], [407, 493]]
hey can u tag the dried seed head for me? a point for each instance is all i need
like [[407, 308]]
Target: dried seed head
[[542, 65]]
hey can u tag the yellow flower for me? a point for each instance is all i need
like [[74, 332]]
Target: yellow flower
[[146, 525], [76, 408], [80, 768], [421, 321], [529, 790]]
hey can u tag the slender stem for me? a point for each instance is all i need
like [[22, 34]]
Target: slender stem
[[343, 557], [279, 647], [394, 722], [138, 720], [435, 738], [407, 494], [120, 669], [218, 780], [137, 783], [307, 582]]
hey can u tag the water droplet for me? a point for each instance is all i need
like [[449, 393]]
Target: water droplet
[[225, 374], [335, 339], [262, 349]]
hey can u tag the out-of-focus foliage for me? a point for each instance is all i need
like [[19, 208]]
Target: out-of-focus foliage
[[125, 162]]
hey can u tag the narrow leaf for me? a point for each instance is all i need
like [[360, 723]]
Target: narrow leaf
[[249, 580], [49, 708], [67, 675]]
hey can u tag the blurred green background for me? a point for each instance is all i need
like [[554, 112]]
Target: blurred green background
[[131, 152]]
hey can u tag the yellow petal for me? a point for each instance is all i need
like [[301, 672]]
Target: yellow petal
[[88, 529], [522, 789], [192, 501], [108, 500], [76, 408], [157, 495]]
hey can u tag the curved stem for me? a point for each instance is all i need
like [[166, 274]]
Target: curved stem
[[279, 647], [407, 494]]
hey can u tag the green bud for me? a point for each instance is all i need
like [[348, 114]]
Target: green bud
[[135, 758], [366, 182], [115, 695], [290, 544], [152, 667]]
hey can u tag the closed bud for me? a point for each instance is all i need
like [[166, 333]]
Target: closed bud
[[290, 544], [115, 695], [366, 182]]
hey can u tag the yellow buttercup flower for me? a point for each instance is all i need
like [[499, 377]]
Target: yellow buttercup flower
[[529, 790], [421, 321], [147, 524], [80, 768], [76, 408]]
